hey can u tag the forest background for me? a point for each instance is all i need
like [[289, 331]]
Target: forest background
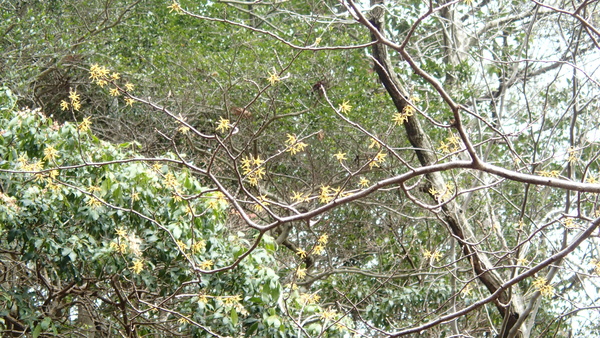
[[309, 168]]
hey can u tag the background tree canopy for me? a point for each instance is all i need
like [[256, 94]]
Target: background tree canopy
[[299, 168]]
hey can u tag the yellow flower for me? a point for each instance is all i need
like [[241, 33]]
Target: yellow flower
[[408, 110], [206, 264], [325, 195], [328, 315], [293, 145], [546, 173], [94, 202], [323, 239], [115, 76], [93, 189], [308, 299], [541, 285], [129, 101], [114, 92], [84, 126], [138, 266], [50, 153], [73, 96], [53, 174], [183, 321], [273, 77], [202, 299], [374, 144], [319, 249], [223, 125], [345, 107], [291, 139], [198, 246], [129, 86], [317, 41], [301, 253], [399, 118], [363, 183], [340, 156], [297, 196], [98, 74], [183, 129], [444, 147], [573, 155], [171, 181], [257, 161], [175, 7], [121, 232], [569, 223], [261, 199], [64, 105], [301, 273]]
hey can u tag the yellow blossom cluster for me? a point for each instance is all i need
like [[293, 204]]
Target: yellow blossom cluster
[[442, 196], [126, 242], [326, 194], [170, 181], [549, 173], [85, 124], [300, 197], [216, 199], [138, 266], [309, 298], [262, 199], [94, 202], [401, 117], [50, 153], [318, 249], [101, 76], [596, 264], [293, 145], [450, 144], [329, 315], [541, 285], [435, 255], [301, 273], [573, 155], [253, 169], [377, 160], [569, 223], [74, 101], [198, 246], [522, 261]]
